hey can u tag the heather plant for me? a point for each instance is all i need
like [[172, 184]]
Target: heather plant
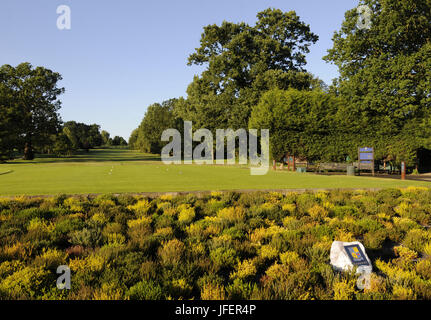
[[231, 215], [240, 290], [164, 234], [171, 252], [213, 206], [141, 208], [213, 291], [305, 202], [423, 268], [186, 214], [375, 240], [317, 212], [26, 283], [86, 237], [417, 239], [145, 290], [344, 289], [51, 259], [223, 257], [245, 269], [218, 246], [180, 288]]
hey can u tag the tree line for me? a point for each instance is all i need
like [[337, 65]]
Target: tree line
[[255, 77], [29, 118]]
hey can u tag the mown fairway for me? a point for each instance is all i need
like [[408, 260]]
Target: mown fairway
[[135, 172]]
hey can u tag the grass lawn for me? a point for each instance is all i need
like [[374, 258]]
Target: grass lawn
[[117, 171]]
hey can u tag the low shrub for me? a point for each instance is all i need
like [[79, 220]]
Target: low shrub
[[145, 290], [219, 246]]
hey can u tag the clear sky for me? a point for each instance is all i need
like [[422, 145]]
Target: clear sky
[[121, 56]]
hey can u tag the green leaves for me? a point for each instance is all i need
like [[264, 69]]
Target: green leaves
[[301, 123], [385, 75], [28, 99], [242, 62], [159, 117]]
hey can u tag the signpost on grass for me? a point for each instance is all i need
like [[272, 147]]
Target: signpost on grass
[[291, 163], [366, 159], [403, 170]]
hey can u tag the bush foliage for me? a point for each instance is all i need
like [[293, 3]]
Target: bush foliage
[[218, 246]]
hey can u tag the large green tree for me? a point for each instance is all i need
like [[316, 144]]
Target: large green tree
[[33, 94], [242, 62], [385, 74], [105, 138], [158, 117], [119, 141], [83, 136], [9, 118], [306, 124]]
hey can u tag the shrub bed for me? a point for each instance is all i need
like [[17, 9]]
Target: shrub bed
[[220, 246]]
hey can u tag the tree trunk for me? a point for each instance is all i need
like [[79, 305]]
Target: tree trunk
[[28, 151]]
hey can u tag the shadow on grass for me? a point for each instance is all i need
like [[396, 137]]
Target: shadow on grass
[[95, 155]]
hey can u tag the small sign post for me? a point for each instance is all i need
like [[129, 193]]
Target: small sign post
[[291, 163], [403, 170], [366, 159]]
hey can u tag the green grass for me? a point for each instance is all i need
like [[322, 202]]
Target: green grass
[[135, 172]]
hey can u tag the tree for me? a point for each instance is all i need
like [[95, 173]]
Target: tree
[[9, 117], [157, 118], [243, 62], [385, 74], [105, 137], [62, 145], [83, 136], [119, 141], [305, 124], [33, 93], [133, 139], [94, 137]]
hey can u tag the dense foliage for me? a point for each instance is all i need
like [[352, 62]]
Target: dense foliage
[[158, 117], [244, 61], [219, 246], [307, 124], [384, 84], [241, 62], [29, 119], [385, 75], [28, 108]]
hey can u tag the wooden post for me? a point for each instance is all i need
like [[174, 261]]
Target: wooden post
[[359, 161], [294, 167], [274, 165]]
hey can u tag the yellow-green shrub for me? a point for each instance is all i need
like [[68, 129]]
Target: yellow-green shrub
[[141, 208], [317, 212], [244, 269], [401, 293], [186, 214], [213, 291], [171, 252], [344, 289], [232, 214], [268, 252], [416, 239], [51, 258]]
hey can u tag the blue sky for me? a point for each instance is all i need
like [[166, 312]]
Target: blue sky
[[121, 56]]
